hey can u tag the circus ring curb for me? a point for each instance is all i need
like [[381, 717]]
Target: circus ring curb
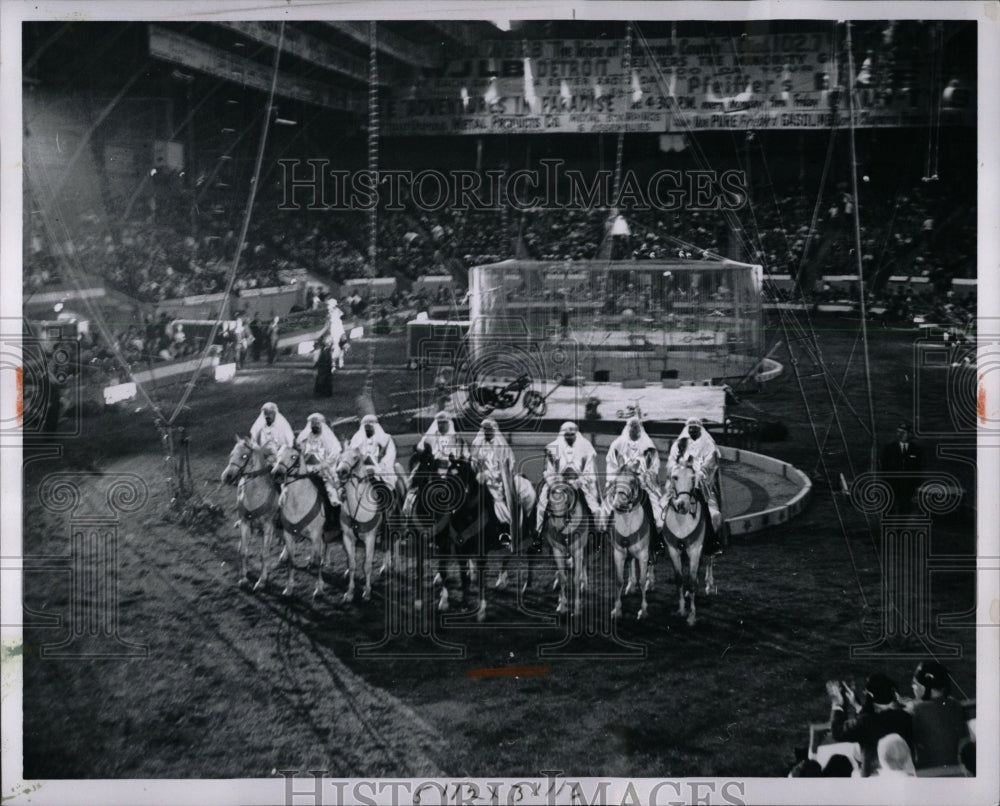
[[796, 487], [772, 516]]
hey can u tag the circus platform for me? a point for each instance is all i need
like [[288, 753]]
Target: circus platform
[[664, 410]]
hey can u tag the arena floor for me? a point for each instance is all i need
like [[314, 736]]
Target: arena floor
[[234, 684]]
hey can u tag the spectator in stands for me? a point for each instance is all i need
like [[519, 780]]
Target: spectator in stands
[[939, 725], [807, 768], [894, 759], [839, 766], [878, 715]]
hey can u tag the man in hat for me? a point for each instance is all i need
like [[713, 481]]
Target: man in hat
[[271, 432], [494, 463], [902, 466], [633, 450], [570, 457], [320, 450], [695, 445], [441, 437]]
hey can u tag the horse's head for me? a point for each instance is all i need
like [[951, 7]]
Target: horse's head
[[240, 460], [624, 492], [684, 482], [563, 494], [285, 462], [346, 465]]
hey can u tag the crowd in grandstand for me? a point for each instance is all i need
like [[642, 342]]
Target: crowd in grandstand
[[923, 232]]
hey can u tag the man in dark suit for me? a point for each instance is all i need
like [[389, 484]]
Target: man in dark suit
[[902, 462]]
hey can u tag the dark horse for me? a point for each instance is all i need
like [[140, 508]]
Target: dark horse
[[453, 514]]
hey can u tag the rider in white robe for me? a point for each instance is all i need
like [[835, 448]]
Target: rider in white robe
[[320, 450], [696, 444], [570, 450], [271, 432], [634, 450], [495, 466], [442, 437], [377, 448]]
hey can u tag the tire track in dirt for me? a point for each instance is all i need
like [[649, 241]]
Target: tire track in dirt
[[362, 730]]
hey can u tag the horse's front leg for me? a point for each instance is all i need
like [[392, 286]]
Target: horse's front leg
[[268, 529], [480, 566], [348, 538], [677, 561], [694, 556], [442, 577], [620, 559], [643, 561], [318, 546], [710, 586], [244, 553], [559, 553], [369, 563], [290, 553], [579, 578]]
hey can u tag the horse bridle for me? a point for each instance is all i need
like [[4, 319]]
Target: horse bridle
[[241, 470], [691, 494], [289, 476]]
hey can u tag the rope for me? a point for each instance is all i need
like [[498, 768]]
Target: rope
[[373, 132], [857, 252], [243, 231], [784, 318]]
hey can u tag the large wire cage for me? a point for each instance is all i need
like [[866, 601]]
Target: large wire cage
[[665, 320]]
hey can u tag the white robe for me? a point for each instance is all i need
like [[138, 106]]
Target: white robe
[[379, 450], [272, 437]]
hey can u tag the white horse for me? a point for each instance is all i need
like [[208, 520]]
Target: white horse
[[686, 523], [302, 514], [362, 515], [631, 529], [256, 503]]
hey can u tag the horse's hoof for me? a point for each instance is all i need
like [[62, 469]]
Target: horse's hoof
[[348, 597], [641, 614], [286, 593], [243, 584], [690, 620], [501, 581], [366, 596]]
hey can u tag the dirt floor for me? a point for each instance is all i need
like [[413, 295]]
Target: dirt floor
[[237, 684]]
